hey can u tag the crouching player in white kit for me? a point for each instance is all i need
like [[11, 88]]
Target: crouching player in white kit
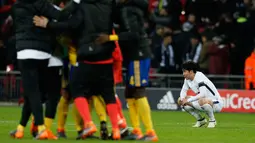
[[207, 97]]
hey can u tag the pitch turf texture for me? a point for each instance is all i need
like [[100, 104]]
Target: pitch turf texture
[[171, 127]]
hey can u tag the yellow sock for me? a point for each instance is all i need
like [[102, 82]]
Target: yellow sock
[[32, 118], [41, 128], [48, 122], [20, 128], [144, 111], [62, 111], [133, 113], [99, 106], [77, 119]]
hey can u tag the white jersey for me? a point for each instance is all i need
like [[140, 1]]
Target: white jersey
[[202, 86]]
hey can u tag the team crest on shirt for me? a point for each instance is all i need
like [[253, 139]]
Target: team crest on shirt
[[144, 81], [131, 80]]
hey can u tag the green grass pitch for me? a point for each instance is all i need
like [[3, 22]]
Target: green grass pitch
[[171, 127]]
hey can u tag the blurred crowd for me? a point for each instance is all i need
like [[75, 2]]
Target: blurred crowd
[[217, 34]]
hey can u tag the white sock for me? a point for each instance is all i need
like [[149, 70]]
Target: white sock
[[195, 113], [209, 111]]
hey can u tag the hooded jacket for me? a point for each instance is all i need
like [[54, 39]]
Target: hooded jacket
[[133, 37]]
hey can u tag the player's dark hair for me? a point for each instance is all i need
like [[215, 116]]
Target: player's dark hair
[[190, 66]]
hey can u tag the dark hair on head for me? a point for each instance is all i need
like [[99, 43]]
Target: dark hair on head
[[190, 66], [167, 34]]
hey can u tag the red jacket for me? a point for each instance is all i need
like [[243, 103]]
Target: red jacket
[[152, 5], [7, 7], [218, 59], [249, 71], [117, 63]]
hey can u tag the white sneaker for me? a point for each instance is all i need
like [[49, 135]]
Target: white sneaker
[[211, 124], [200, 123]]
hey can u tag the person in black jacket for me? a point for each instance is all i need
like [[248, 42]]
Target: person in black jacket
[[34, 49], [130, 15], [94, 72]]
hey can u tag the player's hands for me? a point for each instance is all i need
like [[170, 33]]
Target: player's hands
[[179, 101], [102, 38], [184, 101], [40, 21]]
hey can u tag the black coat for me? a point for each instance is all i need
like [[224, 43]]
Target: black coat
[[27, 35], [92, 18], [132, 37]]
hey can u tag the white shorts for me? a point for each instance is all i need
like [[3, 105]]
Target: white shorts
[[217, 105]]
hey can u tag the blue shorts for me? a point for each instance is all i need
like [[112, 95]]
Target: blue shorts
[[138, 73], [71, 71]]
